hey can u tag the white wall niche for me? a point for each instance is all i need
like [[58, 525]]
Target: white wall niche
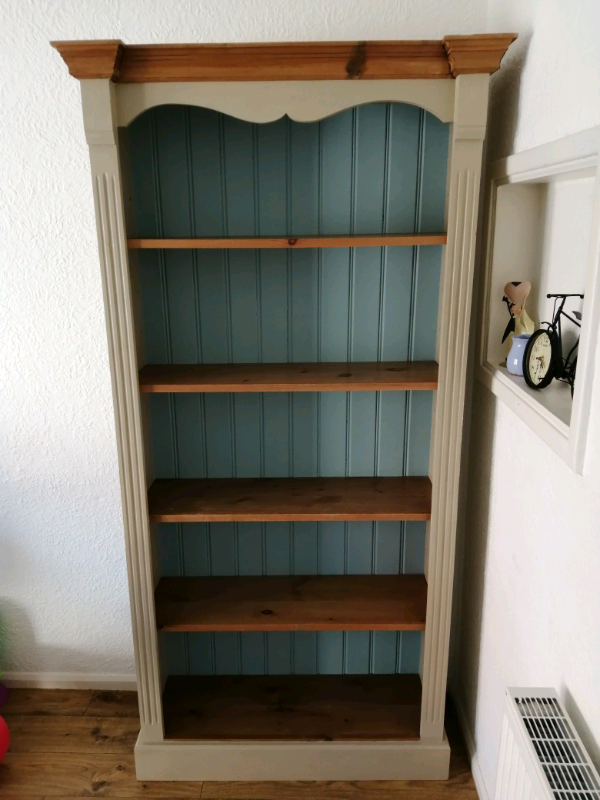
[[543, 225]]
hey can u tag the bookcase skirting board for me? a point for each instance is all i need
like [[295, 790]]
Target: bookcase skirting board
[[286, 238]]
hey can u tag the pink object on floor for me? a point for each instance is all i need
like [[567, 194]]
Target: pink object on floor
[[4, 738]]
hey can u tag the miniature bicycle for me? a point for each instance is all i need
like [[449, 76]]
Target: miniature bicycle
[[543, 359]]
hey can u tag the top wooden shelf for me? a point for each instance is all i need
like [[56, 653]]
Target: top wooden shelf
[[290, 61], [320, 377], [289, 499], [287, 242]]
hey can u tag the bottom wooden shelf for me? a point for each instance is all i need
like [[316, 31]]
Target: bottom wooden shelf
[[293, 707]]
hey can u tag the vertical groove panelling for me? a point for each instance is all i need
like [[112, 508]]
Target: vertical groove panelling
[[377, 168]]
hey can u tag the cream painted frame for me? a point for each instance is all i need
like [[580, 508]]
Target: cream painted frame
[[571, 156], [302, 101], [107, 105]]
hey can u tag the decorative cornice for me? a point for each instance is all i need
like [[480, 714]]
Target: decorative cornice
[[294, 61], [468, 55], [96, 59]]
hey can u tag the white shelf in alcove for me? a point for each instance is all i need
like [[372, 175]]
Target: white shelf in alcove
[[547, 411], [554, 399], [524, 233]]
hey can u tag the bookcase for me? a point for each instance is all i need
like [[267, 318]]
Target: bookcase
[[286, 237]]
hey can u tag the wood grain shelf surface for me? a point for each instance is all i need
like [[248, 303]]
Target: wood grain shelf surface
[[288, 242], [293, 707], [292, 603], [289, 499], [320, 377]]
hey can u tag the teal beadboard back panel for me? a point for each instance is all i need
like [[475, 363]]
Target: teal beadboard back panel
[[195, 172]]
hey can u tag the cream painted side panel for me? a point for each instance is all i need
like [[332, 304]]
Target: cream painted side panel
[[100, 125], [453, 341]]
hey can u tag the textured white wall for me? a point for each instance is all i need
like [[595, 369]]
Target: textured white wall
[[549, 84], [531, 597], [63, 589]]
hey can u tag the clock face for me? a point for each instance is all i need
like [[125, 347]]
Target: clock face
[[540, 358]]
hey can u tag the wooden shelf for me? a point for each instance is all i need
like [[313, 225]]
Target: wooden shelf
[[289, 499], [302, 707], [321, 377], [292, 603], [277, 242]]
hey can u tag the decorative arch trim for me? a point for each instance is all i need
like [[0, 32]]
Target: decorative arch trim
[[302, 101]]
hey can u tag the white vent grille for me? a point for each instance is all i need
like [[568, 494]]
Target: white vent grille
[[541, 755]]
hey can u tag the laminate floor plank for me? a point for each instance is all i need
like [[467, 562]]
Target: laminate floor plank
[[83, 775], [19, 797], [463, 789], [113, 704], [45, 702], [53, 734]]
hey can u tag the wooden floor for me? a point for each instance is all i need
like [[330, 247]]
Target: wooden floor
[[68, 744]]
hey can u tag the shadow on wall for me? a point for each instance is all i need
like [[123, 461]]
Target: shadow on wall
[[505, 92], [580, 724], [15, 627], [16, 631], [481, 455]]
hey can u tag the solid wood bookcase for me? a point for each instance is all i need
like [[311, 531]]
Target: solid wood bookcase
[[208, 711]]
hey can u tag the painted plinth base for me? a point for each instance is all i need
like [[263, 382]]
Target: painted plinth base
[[292, 761]]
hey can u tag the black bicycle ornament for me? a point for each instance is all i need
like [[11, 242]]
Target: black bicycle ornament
[[543, 359]]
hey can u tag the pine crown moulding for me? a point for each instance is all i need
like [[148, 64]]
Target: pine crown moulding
[[374, 60]]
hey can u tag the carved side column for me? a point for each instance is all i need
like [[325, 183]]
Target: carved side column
[[101, 134], [468, 133]]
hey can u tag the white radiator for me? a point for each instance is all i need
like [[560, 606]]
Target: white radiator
[[541, 755]]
